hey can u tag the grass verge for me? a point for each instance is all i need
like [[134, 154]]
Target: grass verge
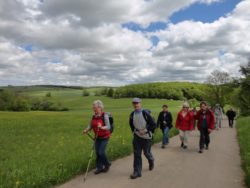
[[243, 129]]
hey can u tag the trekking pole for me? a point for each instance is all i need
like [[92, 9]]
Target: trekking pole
[[91, 153], [90, 136]]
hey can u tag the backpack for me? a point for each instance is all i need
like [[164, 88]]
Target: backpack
[[146, 112], [111, 121]]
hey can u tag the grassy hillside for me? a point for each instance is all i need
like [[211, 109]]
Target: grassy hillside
[[243, 129], [40, 149]]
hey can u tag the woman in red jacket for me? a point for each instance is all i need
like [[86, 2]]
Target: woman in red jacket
[[205, 119], [185, 123], [101, 126]]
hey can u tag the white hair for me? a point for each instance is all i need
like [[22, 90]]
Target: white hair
[[98, 103], [185, 104]]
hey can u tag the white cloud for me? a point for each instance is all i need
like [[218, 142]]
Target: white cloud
[[82, 42]]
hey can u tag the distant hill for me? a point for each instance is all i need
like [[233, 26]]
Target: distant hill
[[167, 90]]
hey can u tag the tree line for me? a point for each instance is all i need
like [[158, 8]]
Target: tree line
[[11, 100], [166, 90]]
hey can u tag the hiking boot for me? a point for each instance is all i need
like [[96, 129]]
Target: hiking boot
[[185, 147], [98, 171], [151, 165], [135, 175], [106, 168]]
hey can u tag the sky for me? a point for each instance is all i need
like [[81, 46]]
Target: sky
[[114, 43]]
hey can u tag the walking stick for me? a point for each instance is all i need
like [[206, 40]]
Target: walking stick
[[91, 153]]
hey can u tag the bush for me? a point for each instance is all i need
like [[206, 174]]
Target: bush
[[20, 104], [13, 101], [45, 105], [48, 94], [110, 92], [85, 93]]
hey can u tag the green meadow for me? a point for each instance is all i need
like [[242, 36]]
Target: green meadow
[[42, 149]]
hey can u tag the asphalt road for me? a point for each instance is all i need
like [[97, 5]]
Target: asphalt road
[[218, 167]]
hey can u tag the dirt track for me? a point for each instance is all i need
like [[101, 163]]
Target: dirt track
[[219, 167]]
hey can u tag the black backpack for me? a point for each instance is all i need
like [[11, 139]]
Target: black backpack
[[146, 112], [111, 121]]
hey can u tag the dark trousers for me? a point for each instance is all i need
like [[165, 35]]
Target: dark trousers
[[139, 145], [204, 137], [101, 158], [231, 122]]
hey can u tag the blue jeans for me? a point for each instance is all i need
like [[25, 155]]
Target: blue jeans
[[101, 158], [165, 139], [204, 137]]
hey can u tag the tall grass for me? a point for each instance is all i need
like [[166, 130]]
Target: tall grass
[[41, 149], [243, 128]]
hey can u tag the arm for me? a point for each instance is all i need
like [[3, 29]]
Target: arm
[[87, 129], [177, 123], [212, 121], [170, 119], [192, 121], [132, 127], [106, 123], [159, 120], [196, 115]]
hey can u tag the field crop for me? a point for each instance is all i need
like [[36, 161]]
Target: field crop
[[42, 149]]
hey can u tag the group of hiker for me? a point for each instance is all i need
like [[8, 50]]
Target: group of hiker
[[143, 125]]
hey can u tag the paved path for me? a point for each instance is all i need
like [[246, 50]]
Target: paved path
[[219, 167]]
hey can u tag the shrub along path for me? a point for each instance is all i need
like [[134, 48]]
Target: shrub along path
[[218, 167]]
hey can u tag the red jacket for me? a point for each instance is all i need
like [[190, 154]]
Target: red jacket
[[185, 123], [94, 124], [209, 118]]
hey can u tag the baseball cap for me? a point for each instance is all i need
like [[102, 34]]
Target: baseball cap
[[136, 100]]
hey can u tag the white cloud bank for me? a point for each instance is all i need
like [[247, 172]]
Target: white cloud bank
[[81, 42]]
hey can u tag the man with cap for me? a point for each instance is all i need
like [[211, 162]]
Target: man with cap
[[142, 125]]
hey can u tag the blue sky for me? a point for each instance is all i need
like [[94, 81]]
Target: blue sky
[[202, 12]]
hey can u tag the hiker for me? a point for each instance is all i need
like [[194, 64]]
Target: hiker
[[142, 125], [101, 126], [205, 119], [218, 113], [231, 114], [164, 121], [185, 123]]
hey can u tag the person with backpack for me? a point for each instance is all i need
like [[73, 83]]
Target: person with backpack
[[185, 124], [231, 115], [142, 126], [164, 121], [218, 113], [100, 124], [206, 121]]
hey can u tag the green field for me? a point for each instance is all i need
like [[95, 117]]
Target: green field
[[244, 141], [42, 149]]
